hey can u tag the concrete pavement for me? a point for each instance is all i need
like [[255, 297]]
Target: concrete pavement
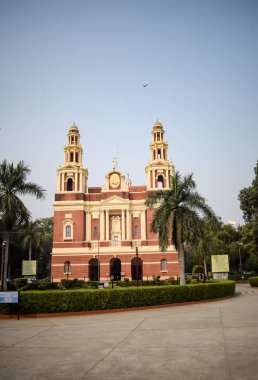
[[216, 340]]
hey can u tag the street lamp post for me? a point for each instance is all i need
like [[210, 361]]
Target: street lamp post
[[240, 258], [98, 263], [137, 268], [3, 264]]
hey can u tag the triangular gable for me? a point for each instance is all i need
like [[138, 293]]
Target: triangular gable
[[114, 200]]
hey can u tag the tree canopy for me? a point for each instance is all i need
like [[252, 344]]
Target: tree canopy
[[248, 198], [178, 214], [13, 212]]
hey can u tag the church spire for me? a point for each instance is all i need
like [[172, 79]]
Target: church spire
[[159, 169], [72, 176], [73, 150]]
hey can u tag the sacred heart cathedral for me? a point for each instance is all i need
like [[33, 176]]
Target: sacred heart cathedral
[[103, 233]]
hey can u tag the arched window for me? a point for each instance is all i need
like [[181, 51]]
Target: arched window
[[160, 182], [115, 269], [95, 232], [94, 270], [70, 184], [67, 267], [136, 268], [68, 231], [163, 265]]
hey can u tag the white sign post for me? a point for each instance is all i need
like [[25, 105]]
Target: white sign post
[[219, 267]]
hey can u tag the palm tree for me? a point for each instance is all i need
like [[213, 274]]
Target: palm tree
[[13, 212], [178, 213], [31, 237]]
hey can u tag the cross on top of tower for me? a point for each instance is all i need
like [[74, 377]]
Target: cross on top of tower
[[115, 164]]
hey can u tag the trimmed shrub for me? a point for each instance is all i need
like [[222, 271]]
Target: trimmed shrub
[[253, 281], [74, 283], [125, 284], [20, 282], [40, 285], [91, 284], [34, 302]]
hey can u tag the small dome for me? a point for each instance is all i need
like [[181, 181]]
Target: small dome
[[74, 128], [158, 124]]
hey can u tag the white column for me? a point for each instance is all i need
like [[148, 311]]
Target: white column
[[62, 182], [143, 226], [76, 182], [153, 179], [123, 225], [107, 225], [88, 226], [101, 225], [80, 188], [127, 225], [149, 179], [167, 177]]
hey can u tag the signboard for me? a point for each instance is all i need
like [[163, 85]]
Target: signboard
[[220, 276], [103, 284], [8, 297], [29, 267], [219, 263]]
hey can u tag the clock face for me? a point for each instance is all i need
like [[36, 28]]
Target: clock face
[[114, 180]]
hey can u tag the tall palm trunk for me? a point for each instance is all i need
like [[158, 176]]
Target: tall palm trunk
[[30, 249], [205, 266], [181, 258]]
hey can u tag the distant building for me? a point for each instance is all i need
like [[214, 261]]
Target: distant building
[[104, 232], [232, 223]]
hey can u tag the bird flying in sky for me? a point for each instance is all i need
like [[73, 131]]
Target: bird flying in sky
[[144, 85]]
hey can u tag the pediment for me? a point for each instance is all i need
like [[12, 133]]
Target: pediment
[[114, 201]]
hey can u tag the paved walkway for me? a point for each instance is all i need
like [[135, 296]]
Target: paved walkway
[[215, 340]]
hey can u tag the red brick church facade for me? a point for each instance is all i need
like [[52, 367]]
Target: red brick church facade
[[103, 232]]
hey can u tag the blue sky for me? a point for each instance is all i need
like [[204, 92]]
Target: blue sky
[[85, 62]]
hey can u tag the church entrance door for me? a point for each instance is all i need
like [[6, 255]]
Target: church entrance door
[[136, 265], [115, 269], [93, 270]]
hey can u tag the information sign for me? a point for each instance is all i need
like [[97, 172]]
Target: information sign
[[219, 263], [29, 267], [9, 297]]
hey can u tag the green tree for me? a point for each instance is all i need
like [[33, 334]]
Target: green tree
[[45, 228], [249, 249], [178, 213], [204, 243], [31, 237], [248, 198], [13, 212]]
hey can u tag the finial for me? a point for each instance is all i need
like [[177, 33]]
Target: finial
[[115, 164], [128, 181]]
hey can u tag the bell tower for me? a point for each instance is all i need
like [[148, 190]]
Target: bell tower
[[159, 168], [72, 176]]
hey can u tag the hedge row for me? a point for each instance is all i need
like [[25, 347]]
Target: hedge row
[[253, 281], [34, 302], [65, 284]]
